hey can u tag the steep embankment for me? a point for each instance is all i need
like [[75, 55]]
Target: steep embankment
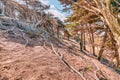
[[41, 63], [46, 57]]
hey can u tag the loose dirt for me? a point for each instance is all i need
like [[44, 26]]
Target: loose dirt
[[40, 63]]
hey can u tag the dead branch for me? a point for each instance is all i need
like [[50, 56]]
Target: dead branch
[[95, 72], [61, 57], [98, 70], [27, 41], [23, 34]]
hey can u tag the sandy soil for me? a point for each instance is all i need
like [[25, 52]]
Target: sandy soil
[[39, 63]]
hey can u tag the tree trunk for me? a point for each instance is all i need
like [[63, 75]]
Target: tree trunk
[[103, 45], [84, 41], [92, 41], [103, 9], [81, 42], [114, 26], [116, 56]]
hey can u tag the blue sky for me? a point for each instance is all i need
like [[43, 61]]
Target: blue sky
[[56, 3], [59, 7], [55, 8]]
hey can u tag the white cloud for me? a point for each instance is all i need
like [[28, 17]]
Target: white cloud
[[56, 13], [21, 2], [46, 2], [52, 9]]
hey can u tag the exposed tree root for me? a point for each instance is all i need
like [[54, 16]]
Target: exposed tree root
[[16, 34]]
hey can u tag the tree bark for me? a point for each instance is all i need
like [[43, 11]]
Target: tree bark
[[114, 27], [81, 42], [103, 45], [116, 56], [92, 41], [84, 41], [112, 22]]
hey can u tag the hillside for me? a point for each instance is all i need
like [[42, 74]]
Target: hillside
[[41, 63], [46, 60], [36, 45]]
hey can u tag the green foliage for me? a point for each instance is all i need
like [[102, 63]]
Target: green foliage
[[118, 70], [88, 67], [113, 3]]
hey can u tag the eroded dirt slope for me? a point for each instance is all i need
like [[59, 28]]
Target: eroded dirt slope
[[40, 63]]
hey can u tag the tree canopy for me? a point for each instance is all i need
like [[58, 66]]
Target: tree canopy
[[97, 12]]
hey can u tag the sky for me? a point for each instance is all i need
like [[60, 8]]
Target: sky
[[55, 8]]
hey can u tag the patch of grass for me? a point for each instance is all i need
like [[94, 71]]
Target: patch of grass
[[118, 70]]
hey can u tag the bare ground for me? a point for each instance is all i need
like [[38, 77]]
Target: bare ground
[[41, 63]]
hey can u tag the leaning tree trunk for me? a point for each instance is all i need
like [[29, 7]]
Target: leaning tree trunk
[[103, 9], [115, 47], [103, 45], [114, 26]]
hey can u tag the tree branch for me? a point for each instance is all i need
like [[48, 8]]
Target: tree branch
[[61, 57]]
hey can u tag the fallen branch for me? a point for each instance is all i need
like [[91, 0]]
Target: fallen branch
[[98, 70], [54, 49], [72, 68], [95, 72], [61, 57]]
